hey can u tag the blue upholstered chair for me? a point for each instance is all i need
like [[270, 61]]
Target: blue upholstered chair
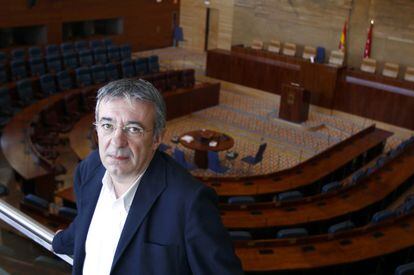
[[253, 160], [94, 44], [37, 66], [67, 212], [83, 77], [114, 54], [241, 200], [3, 74], [111, 71], [128, 69], [18, 54], [214, 163], [18, 69], [36, 201], [81, 45], [126, 51], [180, 158], [153, 64], [342, 226], [382, 216], [25, 92], [141, 66], [292, 233], [70, 60], [67, 47], [52, 50], [35, 52], [85, 58], [53, 63], [99, 55], [289, 195], [48, 85], [332, 186], [64, 81], [240, 235], [98, 73]]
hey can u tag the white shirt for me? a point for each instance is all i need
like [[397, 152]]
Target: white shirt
[[106, 226]]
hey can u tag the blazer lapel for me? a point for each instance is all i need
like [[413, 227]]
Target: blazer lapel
[[151, 186], [90, 193]]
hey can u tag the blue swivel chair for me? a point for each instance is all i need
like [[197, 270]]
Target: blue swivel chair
[[241, 200], [99, 54], [141, 66], [48, 85], [70, 60], [85, 58], [126, 51], [98, 73], [128, 69], [111, 71], [37, 66], [64, 81], [180, 158], [382, 216], [320, 55], [253, 160], [292, 233], [18, 69], [332, 186], [83, 77], [114, 54], [214, 163], [342, 226]]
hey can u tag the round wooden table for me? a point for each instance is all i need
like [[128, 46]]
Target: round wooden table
[[202, 141]]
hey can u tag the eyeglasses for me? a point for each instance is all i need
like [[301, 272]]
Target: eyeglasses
[[108, 128]]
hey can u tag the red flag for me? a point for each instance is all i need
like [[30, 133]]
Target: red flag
[[342, 40], [367, 51]]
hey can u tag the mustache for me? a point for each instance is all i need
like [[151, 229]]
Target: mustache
[[119, 152]]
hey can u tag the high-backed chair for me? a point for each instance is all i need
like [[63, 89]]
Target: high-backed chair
[[214, 163], [336, 58], [309, 52], [382, 215], [107, 42], [153, 64], [289, 195], [289, 49], [37, 66], [52, 50], [18, 54], [292, 233], [18, 69], [47, 84], [342, 226], [53, 63], [83, 77], [274, 46], [253, 160], [241, 200], [320, 55], [126, 51], [180, 158], [409, 74], [391, 69], [99, 55], [98, 73], [85, 58], [94, 44], [369, 65], [257, 44], [35, 52], [64, 81], [111, 71], [25, 92], [3, 74], [70, 60], [332, 186], [128, 69], [67, 47], [81, 45], [141, 66], [114, 54]]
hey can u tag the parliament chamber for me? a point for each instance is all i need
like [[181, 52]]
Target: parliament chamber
[[308, 146]]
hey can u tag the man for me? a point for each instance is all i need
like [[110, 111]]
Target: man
[[138, 211]]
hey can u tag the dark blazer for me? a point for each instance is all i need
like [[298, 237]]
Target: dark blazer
[[173, 225]]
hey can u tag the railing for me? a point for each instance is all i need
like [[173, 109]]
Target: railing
[[29, 227]]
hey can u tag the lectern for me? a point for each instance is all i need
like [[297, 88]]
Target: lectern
[[294, 103]]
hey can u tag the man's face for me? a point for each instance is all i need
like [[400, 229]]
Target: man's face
[[123, 151]]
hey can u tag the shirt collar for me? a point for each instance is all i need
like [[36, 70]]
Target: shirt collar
[[128, 196]]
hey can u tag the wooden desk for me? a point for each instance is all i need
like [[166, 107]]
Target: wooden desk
[[369, 242], [366, 197], [370, 141], [200, 144], [80, 136]]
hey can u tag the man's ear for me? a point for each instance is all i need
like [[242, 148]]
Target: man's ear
[[158, 139]]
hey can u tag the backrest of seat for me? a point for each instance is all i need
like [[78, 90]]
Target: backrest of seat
[[107, 42], [342, 226], [98, 73], [18, 69], [85, 58], [3, 74], [96, 44], [309, 52], [257, 44], [24, 90], [128, 69], [332, 186], [47, 83], [52, 50], [100, 56], [64, 81], [289, 195], [274, 46], [54, 64], [141, 66], [67, 47], [70, 60], [409, 74], [369, 65], [391, 70], [111, 71], [292, 233], [18, 54], [83, 76], [320, 55], [213, 160], [37, 66], [153, 64], [126, 51], [81, 45], [114, 53], [382, 215], [241, 200], [35, 52], [336, 58], [289, 49]]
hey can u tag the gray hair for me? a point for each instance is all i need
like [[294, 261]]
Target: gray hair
[[133, 89]]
